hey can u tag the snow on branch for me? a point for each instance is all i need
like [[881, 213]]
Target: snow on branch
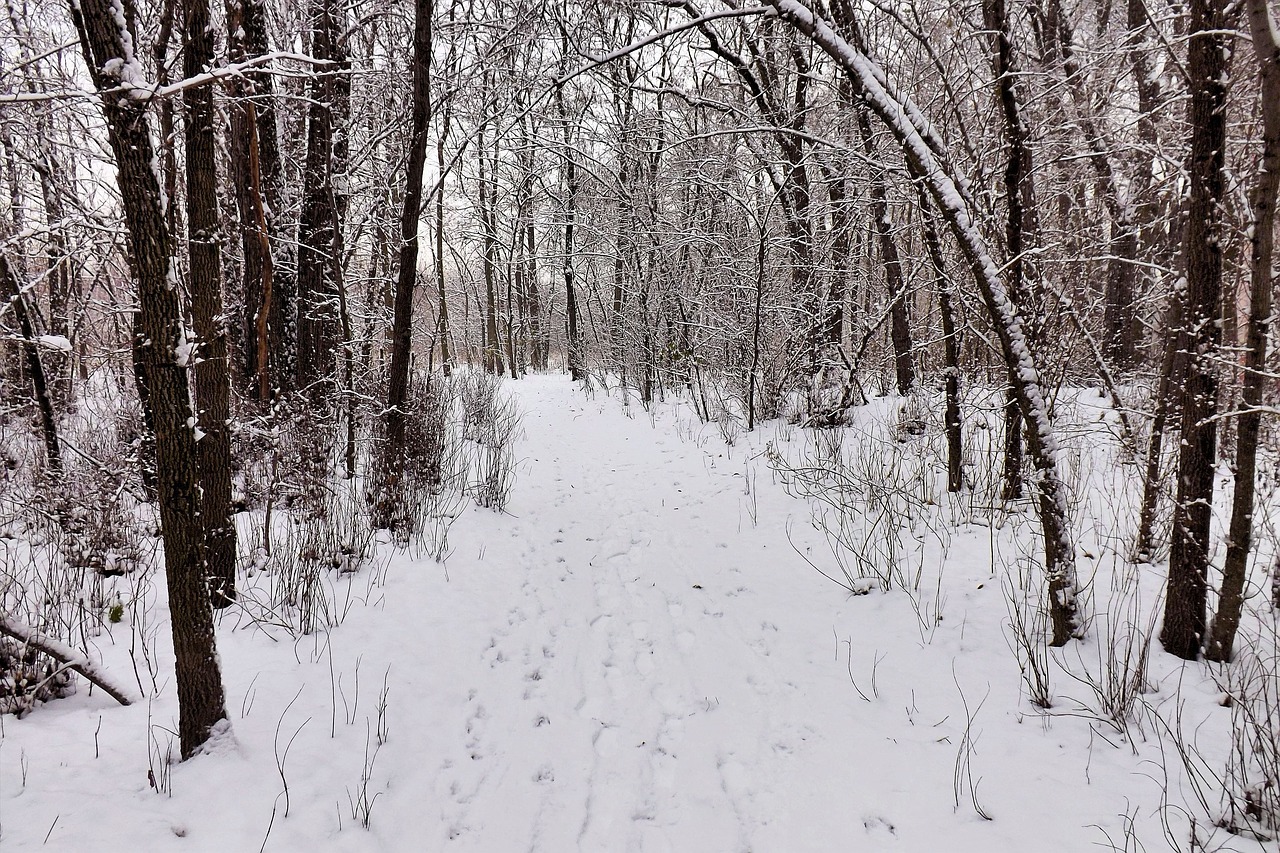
[[66, 655], [146, 91]]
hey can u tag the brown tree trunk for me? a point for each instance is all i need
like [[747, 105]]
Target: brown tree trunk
[[11, 292], [951, 344], [1207, 63], [318, 321], [899, 328], [1262, 244], [255, 160], [108, 52], [407, 275], [211, 365]]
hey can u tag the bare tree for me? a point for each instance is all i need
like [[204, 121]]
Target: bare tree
[[410, 225], [210, 365], [1266, 47], [1207, 63], [107, 41]]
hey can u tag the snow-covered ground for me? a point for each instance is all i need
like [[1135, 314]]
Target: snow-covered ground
[[633, 658]]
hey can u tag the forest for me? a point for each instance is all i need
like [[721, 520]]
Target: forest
[[625, 382]]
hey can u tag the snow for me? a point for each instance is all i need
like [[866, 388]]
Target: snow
[[55, 342], [634, 657]]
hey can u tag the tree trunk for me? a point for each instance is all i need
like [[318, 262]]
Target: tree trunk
[[318, 320], [446, 355], [407, 274], [1019, 196], [1207, 63], [210, 368], [899, 327], [11, 291], [108, 48], [254, 154], [1240, 536], [492, 347], [951, 344]]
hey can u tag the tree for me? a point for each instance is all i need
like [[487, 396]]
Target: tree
[[318, 317], [11, 292], [256, 173], [106, 39], [1266, 47], [410, 225], [924, 153], [1208, 59], [210, 365]]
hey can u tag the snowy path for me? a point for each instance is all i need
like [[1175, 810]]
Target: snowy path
[[626, 701], [626, 661]]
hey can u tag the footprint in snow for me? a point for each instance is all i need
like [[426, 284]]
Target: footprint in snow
[[881, 828]]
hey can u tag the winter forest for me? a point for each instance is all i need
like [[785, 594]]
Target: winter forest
[[639, 425]]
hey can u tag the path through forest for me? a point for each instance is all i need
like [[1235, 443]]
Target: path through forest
[[633, 658]]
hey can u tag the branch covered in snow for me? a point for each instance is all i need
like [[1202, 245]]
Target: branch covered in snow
[[63, 653], [155, 90]]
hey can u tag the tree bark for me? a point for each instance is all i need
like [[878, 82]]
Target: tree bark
[[492, 347], [951, 344], [443, 330], [407, 275], [1020, 201], [1262, 244], [899, 327], [570, 171], [11, 291], [210, 366], [318, 320], [255, 160], [1207, 63]]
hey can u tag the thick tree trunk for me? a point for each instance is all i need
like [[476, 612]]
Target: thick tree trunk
[[1262, 244], [1207, 63], [108, 49], [211, 365]]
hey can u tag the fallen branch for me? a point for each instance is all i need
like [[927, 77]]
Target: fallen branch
[[61, 652]]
